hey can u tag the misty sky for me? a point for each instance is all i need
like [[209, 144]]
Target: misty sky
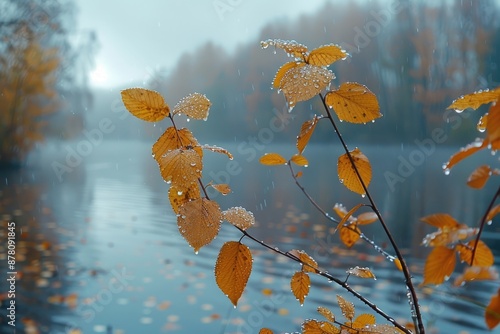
[[136, 37]]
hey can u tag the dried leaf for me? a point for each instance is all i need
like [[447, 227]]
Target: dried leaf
[[363, 320], [340, 210], [145, 104], [493, 126], [182, 167], [306, 131], [239, 217], [439, 265], [223, 188], [476, 274], [304, 82], [194, 105], [361, 272], [483, 257], [326, 313], [282, 71], [347, 174], [367, 218], [492, 311], [309, 264], [300, 284], [465, 152], [347, 216], [232, 269], [326, 55], [475, 100], [382, 329], [299, 160], [318, 327], [217, 149], [440, 220], [354, 103], [173, 139], [265, 331], [449, 235], [292, 48], [398, 264], [479, 177], [493, 212], [199, 222], [349, 235], [272, 159], [179, 195], [346, 307]]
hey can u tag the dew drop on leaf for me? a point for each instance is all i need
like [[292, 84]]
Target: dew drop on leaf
[[458, 111]]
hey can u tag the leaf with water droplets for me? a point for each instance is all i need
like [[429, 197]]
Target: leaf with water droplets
[[265, 331], [272, 159], [217, 149], [346, 307], [223, 188], [367, 218], [300, 285], [493, 212], [440, 220], [145, 104], [493, 126], [326, 55], [492, 311], [306, 131], [439, 265], [239, 217], [173, 139], [465, 152], [346, 216], [309, 264], [479, 176], [291, 47], [347, 173], [299, 160], [199, 222], [383, 329], [475, 100], [349, 235], [354, 103], [361, 272], [304, 82], [482, 123], [232, 269], [180, 195], [326, 313], [195, 106], [182, 167], [483, 257], [363, 320], [476, 274], [340, 210], [312, 326], [282, 71]]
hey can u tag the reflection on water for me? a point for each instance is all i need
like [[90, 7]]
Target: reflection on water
[[100, 252]]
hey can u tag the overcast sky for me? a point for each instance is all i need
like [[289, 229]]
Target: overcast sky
[[136, 37]]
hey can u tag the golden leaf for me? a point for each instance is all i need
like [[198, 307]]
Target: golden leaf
[[465, 152], [493, 212], [340, 210], [382, 329], [304, 82], [232, 269], [476, 274], [309, 264], [326, 313], [354, 103], [145, 104], [398, 264], [306, 131], [223, 188], [479, 176], [492, 311], [326, 55], [349, 235], [440, 220], [483, 257], [318, 327], [282, 71], [194, 105], [493, 126], [217, 149], [292, 48], [299, 160], [347, 174], [475, 100], [346, 307], [363, 320], [182, 167], [179, 195], [173, 139], [272, 159], [300, 285], [439, 265], [367, 218], [239, 217], [346, 216], [361, 272], [199, 222], [265, 331]]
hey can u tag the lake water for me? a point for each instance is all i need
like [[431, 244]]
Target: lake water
[[98, 248]]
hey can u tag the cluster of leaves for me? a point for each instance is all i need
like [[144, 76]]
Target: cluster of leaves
[[451, 237]]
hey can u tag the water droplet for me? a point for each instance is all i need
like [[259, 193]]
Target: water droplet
[[363, 195], [446, 171], [458, 111], [179, 193], [489, 222], [188, 120], [196, 253]]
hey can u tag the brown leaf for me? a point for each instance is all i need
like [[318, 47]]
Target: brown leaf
[[292, 48], [306, 131], [173, 139], [493, 126], [361, 272], [439, 265], [300, 284], [340, 210], [476, 274], [232, 269], [349, 235], [326, 313], [465, 152], [223, 188], [265, 331], [354, 103], [282, 71], [179, 195], [347, 174], [492, 311], [440, 220], [304, 82], [199, 222], [475, 100], [318, 327], [326, 55], [194, 105], [493, 212], [145, 104], [483, 257], [346, 307], [479, 177], [217, 149], [182, 167], [449, 235], [299, 160], [367, 218], [239, 216], [272, 159], [363, 320]]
